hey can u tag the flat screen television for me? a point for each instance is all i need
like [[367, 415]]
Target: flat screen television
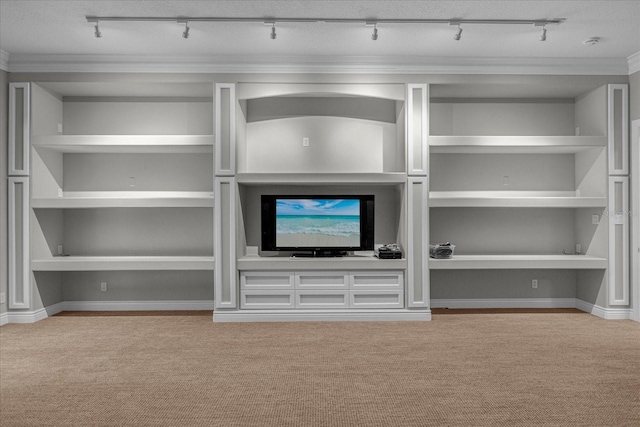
[[317, 225]]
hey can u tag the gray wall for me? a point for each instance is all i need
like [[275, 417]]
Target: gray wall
[[4, 102]]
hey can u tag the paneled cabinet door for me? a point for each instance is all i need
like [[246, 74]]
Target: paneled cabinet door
[[618, 215], [417, 129], [618, 129], [18, 269], [225, 132], [19, 129]]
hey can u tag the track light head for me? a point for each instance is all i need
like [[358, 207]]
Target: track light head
[[543, 35], [185, 33], [273, 34], [97, 32], [458, 34], [374, 35]]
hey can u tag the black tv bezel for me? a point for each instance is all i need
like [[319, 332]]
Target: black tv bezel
[[268, 223]]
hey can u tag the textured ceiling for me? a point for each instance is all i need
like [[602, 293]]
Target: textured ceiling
[[59, 28]]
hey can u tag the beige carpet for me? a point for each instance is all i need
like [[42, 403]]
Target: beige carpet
[[458, 370]]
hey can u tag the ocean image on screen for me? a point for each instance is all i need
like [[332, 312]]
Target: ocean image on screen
[[317, 223]]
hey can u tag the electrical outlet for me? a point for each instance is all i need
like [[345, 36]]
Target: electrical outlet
[[578, 248], [103, 286], [534, 284], [505, 180], [305, 142], [595, 219], [60, 249], [59, 127], [3, 298], [132, 181]]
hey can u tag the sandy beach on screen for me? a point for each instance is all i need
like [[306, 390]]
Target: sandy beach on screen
[[311, 240]]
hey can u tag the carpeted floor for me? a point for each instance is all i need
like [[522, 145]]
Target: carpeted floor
[[522, 369]]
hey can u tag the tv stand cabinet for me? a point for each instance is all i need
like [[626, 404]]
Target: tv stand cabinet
[[342, 139]]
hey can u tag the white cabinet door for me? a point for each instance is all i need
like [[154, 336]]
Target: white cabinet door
[[377, 299], [316, 298], [260, 300], [417, 129], [19, 129], [618, 129], [18, 269], [322, 280], [225, 131], [380, 280], [266, 280], [618, 213]]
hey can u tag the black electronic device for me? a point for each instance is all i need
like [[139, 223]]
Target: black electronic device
[[391, 251]]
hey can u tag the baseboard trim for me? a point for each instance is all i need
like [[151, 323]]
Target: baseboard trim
[[314, 316], [603, 312], [505, 303], [321, 316], [43, 313], [137, 305]]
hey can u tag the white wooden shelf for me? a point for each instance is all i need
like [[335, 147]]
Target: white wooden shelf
[[341, 263], [483, 262], [118, 199], [171, 144], [321, 178], [514, 144], [523, 199], [122, 263]]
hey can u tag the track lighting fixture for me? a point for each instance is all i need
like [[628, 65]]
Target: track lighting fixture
[[458, 34], [374, 35], [543, 35], [185, 33]]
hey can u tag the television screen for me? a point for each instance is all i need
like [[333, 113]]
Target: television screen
[[316, 223], [321, 225]]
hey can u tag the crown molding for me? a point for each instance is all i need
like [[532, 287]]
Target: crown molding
[[634, 63], [315, 64], [4, 60]]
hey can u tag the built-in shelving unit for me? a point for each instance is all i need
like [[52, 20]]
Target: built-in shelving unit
[[519, 183], [157, 186], [121, 185]]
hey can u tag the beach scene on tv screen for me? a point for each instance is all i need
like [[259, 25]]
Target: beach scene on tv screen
[[317, 223]]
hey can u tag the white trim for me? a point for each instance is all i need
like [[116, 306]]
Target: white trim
[[33, 63], [605, 313], [43, 313], [137, 305], [634, 63], [505, 303], [4, 60], [321, 315]]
